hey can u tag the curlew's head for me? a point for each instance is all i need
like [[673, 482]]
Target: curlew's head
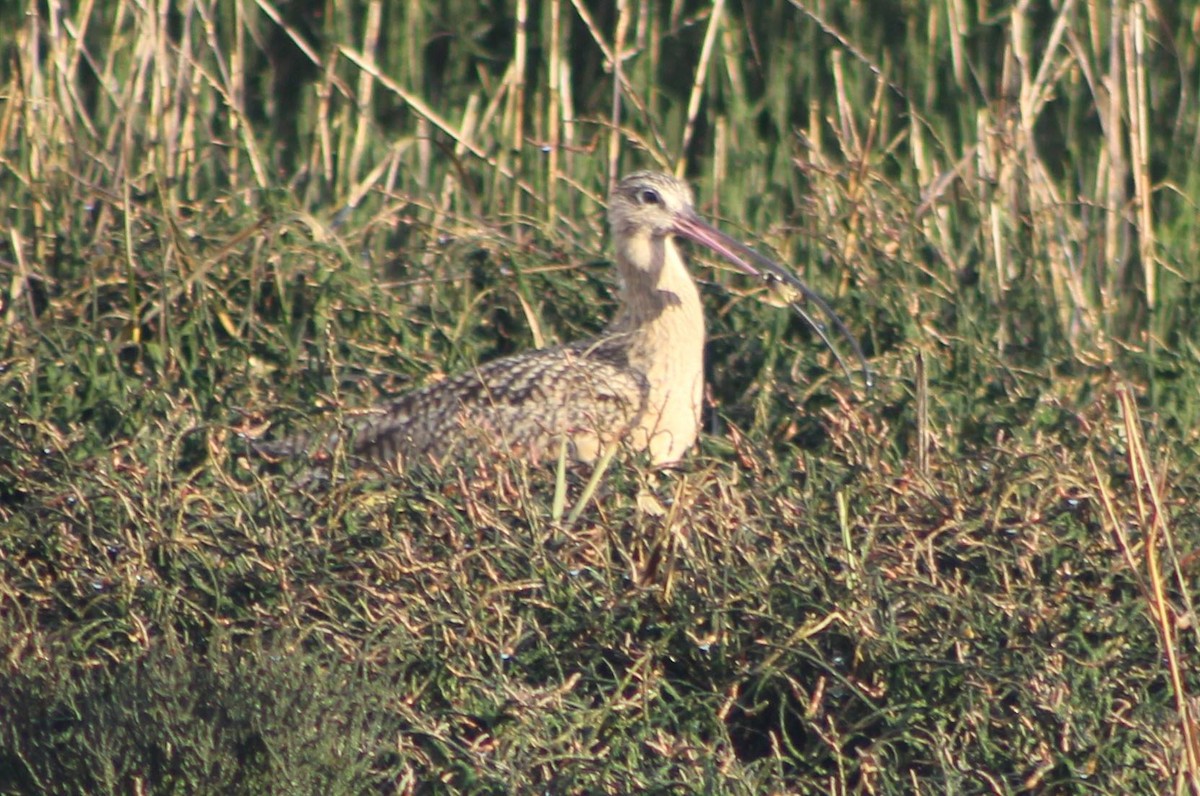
[[648, 203], [646, 208]]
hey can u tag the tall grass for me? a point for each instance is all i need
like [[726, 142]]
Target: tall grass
[[977, 579]]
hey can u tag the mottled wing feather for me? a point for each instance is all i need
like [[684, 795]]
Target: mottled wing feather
[[585, 393]]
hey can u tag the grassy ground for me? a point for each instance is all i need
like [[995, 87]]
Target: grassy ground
[[978, 578]]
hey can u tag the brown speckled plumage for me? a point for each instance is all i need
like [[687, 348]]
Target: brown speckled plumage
[[639, 383], [522, 404]]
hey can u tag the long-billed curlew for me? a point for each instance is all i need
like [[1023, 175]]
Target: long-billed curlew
[[640, 382]]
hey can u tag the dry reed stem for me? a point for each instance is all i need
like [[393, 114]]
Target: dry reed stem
[[699, 79], [1151, 517]]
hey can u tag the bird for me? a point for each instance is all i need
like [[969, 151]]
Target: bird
[[639, 383]]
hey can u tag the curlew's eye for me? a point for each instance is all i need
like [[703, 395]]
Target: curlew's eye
[[649, 196]]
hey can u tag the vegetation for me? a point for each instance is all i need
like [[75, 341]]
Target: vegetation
[[977, 578]]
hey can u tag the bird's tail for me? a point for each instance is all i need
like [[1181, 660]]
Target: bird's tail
[[297, 445]]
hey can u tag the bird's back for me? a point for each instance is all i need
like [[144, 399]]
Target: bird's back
[[523, 405]]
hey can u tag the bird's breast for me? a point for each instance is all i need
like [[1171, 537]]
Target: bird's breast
[[669, 352]]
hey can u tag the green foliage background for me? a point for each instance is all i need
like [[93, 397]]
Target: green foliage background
[[978, 578]]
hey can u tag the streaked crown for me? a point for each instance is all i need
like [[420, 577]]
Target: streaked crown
[[648, 202]]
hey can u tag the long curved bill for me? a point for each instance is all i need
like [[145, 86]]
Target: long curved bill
[[694, 228]]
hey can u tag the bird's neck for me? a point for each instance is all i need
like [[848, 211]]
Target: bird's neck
[[662, 327], [658, 294]]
